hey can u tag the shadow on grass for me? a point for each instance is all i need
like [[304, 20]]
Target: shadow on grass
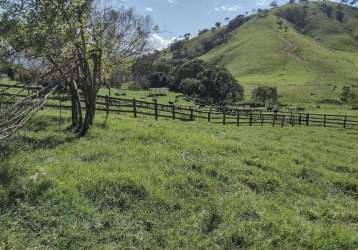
[[29, 142], [44, 122], [22, 143]]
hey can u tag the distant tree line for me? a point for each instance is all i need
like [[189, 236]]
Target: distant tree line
[[194, 78]]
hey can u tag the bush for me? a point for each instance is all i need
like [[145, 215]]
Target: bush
[[296, 15], [265, 94], [189, 86], [340, 16], [212, 84], [158, 80], [237, 22]]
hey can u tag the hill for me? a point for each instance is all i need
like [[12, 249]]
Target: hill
[[166, 185], [301, 49]]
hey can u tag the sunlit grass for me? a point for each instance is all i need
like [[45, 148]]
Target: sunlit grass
[[137, 183]]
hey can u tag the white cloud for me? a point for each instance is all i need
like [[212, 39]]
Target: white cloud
[[229, 8], [171, 1], [149, 9], [158, 43], [262, 2]]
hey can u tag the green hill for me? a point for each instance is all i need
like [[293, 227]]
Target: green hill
[[309, 60]]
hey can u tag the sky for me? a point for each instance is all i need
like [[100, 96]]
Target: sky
[[177, 17]]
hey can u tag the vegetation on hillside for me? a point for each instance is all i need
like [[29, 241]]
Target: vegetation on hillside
[[308, 53]]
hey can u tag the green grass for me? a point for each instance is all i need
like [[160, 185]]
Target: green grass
[[143, 184], [306, 65]]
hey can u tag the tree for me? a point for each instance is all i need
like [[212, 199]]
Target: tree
[[340, 16], [142, 67], [274, 4], [189, 86], [217, 25], [158, 80], [212, 84], [236, 22], [264, 94], [78, 40]]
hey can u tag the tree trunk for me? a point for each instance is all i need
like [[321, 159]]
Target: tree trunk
[[90, 100], [77, 119]]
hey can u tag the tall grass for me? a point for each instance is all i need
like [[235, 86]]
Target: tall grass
[[143, 184]]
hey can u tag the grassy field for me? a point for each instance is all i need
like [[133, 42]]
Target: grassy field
[[307, 65], [143, 184]]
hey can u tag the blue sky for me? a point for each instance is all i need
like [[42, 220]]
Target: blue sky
[[177, 17]]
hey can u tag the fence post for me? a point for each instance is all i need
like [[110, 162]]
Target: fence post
[[325, 121], [283, 121], [291, 117], [60, 119], [134, 108], [238, 119], [107, 110], [107, 104], [173, 109], [250, 119], [274, 119], [293, 120], [209, 115], [191, 114], [224, 116], [156, 109], [300, 119], [307, 119], [345, 122]]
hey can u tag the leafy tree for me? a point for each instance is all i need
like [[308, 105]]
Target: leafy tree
[[142, 67], [295, 15], [348, 94], [217, 25], [203, 31], [158, 80], [264, 94], [189, 86], [187, 36], [274, 4], [236, 22], [213, 84], [340, 16], [78, 39]]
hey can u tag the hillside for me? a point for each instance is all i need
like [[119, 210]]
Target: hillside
[[167, 185], [311, 60]]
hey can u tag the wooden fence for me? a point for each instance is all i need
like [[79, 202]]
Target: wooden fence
[[214, 115], [237, 118], [225, 117]]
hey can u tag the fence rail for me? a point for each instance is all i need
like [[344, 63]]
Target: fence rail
[[213, 115]]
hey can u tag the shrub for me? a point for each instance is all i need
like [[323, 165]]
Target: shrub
[[237, 22], [340, 16], [265, 94], [295, 15], [157, 80], [189, 86], [212, 84]]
